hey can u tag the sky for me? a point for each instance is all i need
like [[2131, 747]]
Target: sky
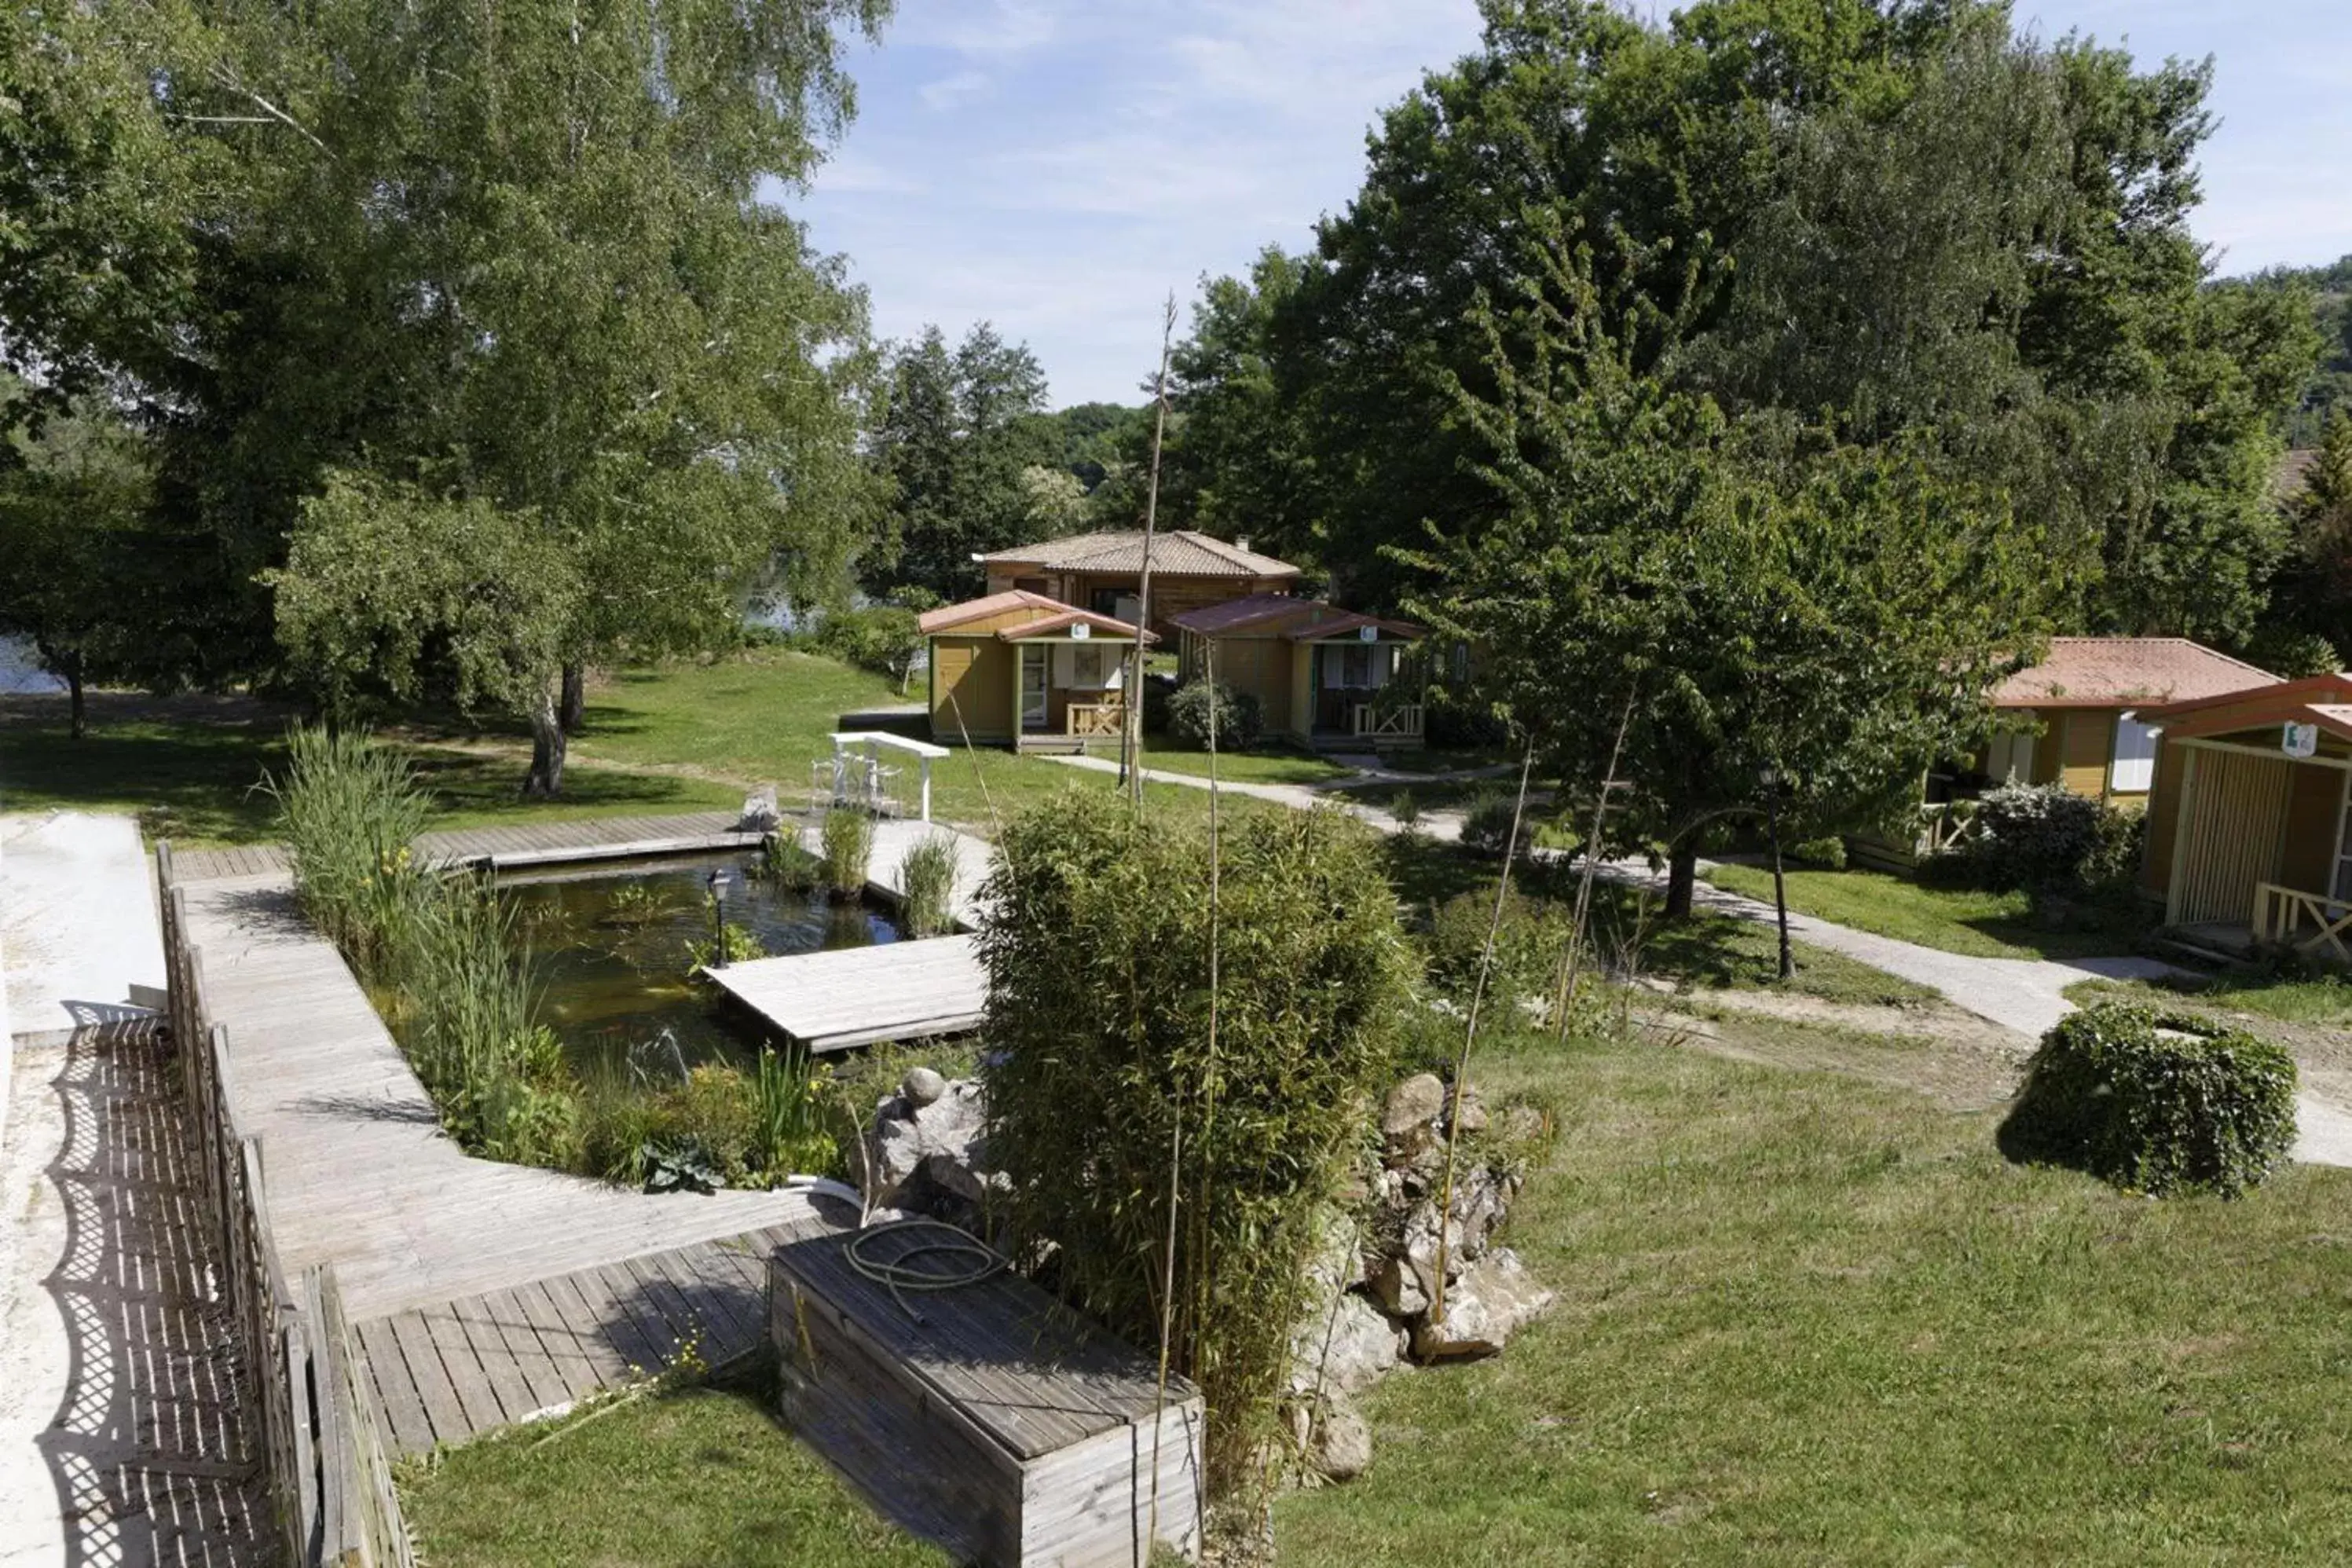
[[1058, 167]]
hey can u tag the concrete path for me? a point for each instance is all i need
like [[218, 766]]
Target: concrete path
[[77, 921], [1445, 827]]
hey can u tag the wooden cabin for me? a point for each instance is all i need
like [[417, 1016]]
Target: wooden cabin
[[2075, 720], [1322, 676], [1021, 669], [2247, 833], [1103, 572]]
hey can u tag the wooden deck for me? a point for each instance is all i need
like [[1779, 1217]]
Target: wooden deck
[[860, 995], [436, 1250], [896, 837], [522, 844]]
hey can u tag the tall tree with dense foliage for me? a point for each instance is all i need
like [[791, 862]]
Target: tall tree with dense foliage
[[1750, 598], [1240, 459], [959, 429], [75, 486], [1935, 228]]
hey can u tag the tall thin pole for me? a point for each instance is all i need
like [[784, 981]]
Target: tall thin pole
[[1779, 887], [1131, 747]]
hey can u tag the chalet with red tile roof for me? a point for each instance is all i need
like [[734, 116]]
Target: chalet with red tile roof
[[1022, 669], [1103, 572]]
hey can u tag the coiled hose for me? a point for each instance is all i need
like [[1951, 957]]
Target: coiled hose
[[952, 1259]]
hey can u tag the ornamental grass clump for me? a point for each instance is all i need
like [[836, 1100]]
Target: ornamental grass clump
[[1105, 1083], [350, 810], [2155, 1102], [847, 837], [927, 883]]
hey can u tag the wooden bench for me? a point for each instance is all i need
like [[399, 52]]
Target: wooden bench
[[986, 1417]]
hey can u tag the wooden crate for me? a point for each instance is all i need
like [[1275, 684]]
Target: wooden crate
[[996, 1422]]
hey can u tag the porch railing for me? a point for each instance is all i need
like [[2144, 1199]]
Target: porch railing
[[2285, 914], [1946, 825], [1090, 719], [1402, 723]]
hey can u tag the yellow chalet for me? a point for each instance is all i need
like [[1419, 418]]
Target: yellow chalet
[[2075, 720], [1322, 676], [1103, 572], [1021, 669], [2247, 834]]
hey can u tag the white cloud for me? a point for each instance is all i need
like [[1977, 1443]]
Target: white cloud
[[950, 91]]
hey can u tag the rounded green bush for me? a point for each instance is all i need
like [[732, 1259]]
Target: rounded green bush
[[1239, 720], [2155, 1102]]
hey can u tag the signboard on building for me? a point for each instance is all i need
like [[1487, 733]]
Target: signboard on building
[[2300, 739]]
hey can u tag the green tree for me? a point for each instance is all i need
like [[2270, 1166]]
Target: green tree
[[2314, 599], [75, 486], [393, 593], [958, 430], [1741, 596], [1240, 459]]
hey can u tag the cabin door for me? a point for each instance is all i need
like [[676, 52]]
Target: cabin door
[[1032, 687]]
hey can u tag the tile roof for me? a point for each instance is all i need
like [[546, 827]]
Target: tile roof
[[1179, 552], [2114, 672], [1052, 624], [1274, 613], [948, 616]]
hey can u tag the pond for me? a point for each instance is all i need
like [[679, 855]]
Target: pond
[[609, 951]]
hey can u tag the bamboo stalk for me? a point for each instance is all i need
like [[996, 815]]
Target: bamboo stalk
[[1131, 747]]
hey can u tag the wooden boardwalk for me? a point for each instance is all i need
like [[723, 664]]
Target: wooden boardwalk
[[360, 1175], [521, 844], [861, 996]]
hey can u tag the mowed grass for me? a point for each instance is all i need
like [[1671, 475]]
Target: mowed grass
[[689, 1477], [1956, 919], [1805, 1319], [194, 772], [1270, 763], [2326, 1001]]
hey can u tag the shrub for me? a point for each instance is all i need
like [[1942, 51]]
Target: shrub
[[2033, 835], [848, 839], [2155, 1102], [1827, 852], [928, 886], [1487, 824], [1098, 956], [1452, 720], [885, 638], [349, 810], [1404, 811], [1527, 944], [1238, 718]]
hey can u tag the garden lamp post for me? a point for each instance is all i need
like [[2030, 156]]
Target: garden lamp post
[[718, 885], [1770, 778]]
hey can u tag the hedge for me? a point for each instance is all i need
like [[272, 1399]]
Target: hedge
[[2155, 1102]]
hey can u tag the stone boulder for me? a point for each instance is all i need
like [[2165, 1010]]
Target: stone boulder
[[760, 811], [1332, 1437], [922, 1153], [1345, 1346], [1494, 1298]]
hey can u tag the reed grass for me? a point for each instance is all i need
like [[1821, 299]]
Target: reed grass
[[928, 887], [848, 839], [350, 809]]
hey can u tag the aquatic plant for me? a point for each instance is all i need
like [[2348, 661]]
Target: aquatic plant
[[848, 839], [926, 884]]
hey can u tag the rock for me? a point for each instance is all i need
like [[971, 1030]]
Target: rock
[[1398, 1287], [940, 1149], [922, 1087], [759, 813], [1348, 1346], [1495, 1298], [1522, 1124], [1474, 1112], [1338, 1442], [1413, 1105]]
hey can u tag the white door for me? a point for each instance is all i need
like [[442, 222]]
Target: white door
[[1032, 687]]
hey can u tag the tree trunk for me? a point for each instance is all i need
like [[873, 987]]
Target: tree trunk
[[575, 698], [545, 780], [74, 699], [1681, 875]]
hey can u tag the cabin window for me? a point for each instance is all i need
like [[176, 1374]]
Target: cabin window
[[2134, 770], [1030, 584], [1086, 667]]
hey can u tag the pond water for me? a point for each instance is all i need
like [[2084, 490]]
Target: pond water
[[608, 947]]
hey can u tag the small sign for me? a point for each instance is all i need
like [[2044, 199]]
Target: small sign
[[1368, 634], [2300, 739], [1081, 632]]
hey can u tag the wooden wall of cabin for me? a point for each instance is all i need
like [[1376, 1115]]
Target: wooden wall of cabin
[[1260, 666], [2163, 817], [2315, 805], [2087, 746], [979, 672]]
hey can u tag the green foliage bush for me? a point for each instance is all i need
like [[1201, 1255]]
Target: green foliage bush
[[719, 1126], [349, 810], [1239, 720], [1827, 852], [848, 839], [885, 638], [2033, 835], [741, 944], [1487, 823], [783, 861], [1097, 953], [2155, 1102], [928, 886], [1527, 944]]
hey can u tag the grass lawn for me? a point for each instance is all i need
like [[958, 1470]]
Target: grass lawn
[[1270, 764], [194, 779], [1956, 919], [689, 1477], [1808, 1319], [2326, 1000]]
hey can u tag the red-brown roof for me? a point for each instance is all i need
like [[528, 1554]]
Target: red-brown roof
[[1273, 615], [2322, 699], [1175, 553], [1068, 618], [948, 616], [2122, 672]]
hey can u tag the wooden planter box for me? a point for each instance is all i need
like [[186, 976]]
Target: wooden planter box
[[997, 1423]]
